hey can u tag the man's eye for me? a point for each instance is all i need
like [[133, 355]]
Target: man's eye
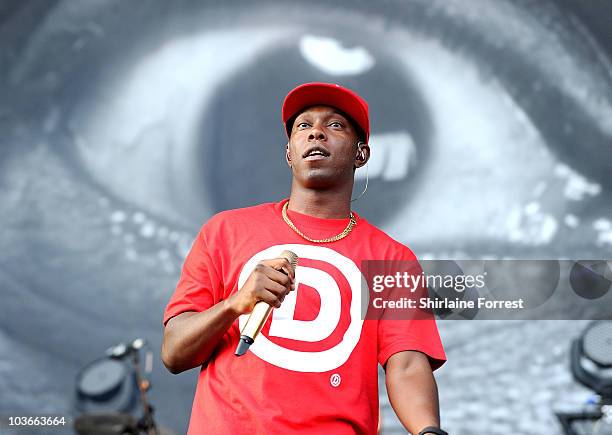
[[335, 124], [303, 125]]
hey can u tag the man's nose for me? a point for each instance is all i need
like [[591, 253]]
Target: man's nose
[[316, 133]]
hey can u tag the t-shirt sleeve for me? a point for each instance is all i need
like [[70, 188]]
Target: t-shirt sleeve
[[418, 332], [196, 286]]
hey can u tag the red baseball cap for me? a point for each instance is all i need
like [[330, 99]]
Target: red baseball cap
[[326, 94]]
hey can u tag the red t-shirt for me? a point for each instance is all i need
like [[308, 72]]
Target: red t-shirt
[[313, 368]]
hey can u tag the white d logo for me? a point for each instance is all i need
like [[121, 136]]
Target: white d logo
[[285, 326]]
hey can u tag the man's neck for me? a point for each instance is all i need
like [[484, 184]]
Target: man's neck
[[321, 203]]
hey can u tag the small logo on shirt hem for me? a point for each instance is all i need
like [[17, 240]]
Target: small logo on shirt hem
[[335, 380]]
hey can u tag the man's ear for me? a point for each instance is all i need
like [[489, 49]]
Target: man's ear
[[363, 154], [288, 155]]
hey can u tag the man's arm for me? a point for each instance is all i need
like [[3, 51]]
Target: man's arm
[[191, 337], [412, 390]]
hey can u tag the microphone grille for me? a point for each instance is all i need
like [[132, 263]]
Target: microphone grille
[[291, 256]]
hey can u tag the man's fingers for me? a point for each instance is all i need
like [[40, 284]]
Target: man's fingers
[[289, 270], [270, 298], [275, 274], [281, 264], [276, 288]]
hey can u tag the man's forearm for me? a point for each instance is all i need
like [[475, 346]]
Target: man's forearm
[[413, 394], [190, 338]]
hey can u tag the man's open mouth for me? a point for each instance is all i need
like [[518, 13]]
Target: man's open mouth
[[316, 153]]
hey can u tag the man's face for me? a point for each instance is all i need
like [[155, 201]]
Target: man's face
[[322, 148]]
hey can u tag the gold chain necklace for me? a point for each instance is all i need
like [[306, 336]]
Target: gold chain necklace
[[342, 235]]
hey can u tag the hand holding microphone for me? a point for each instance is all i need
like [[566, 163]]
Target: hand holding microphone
[[264, 289]]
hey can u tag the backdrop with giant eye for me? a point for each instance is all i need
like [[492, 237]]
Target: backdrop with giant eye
[[127, 125]]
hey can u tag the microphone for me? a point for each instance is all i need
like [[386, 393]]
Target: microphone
[[260, 314]]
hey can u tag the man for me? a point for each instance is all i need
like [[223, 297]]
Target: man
[[313, 368]]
